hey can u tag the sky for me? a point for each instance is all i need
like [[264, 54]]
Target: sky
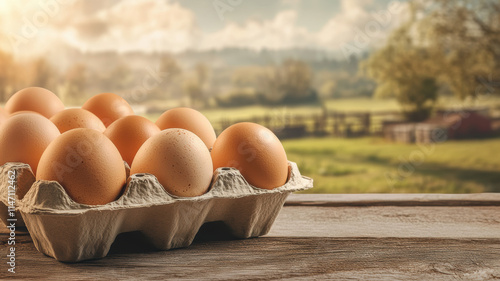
[[33, 27]]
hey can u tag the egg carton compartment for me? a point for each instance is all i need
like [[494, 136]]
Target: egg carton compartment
[[70, 232], [23, 177]]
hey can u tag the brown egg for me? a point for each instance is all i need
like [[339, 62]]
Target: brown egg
[[35, 99], [255, 151], [24, 137], [129, 133], [3, 115], [188, 119], [180, 161], [77, 118], [108, 107], [86, 164]]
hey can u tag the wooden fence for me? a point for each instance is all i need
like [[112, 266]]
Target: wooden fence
[[332, 123]]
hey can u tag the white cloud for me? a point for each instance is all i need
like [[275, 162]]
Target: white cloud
[[356, 27], [278, 33], [135, 25], [153, 25], [126, 25], [354, 24], [341, 28]]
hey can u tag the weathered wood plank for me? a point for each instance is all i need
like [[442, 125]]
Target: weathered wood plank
[[307, 241], [418, 222], [381, 199], [268, 258]]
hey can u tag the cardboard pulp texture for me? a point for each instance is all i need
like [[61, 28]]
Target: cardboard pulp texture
[[72, 232]]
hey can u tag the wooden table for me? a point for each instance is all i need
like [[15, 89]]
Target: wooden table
[[366, 237]]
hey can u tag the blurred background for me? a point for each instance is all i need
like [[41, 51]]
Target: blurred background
[[366, 95]]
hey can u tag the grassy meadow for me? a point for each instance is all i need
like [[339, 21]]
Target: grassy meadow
[[368, 165]]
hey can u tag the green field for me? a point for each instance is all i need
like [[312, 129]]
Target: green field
[[373, 165]]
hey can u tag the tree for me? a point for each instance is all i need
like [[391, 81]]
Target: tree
[[170, 72], [7, 73], [444, 42], [196, 87], [202, 73], [419, 97], [76, 81], [329, 89], [289, 83], [169, 66], [297, 78], [407, 71], [119, 79], [193, 90], [467, 37], [44, 75], [248, 76]]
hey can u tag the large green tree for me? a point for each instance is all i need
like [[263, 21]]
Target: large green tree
[[444, 42], [406, 71], [466, 35]]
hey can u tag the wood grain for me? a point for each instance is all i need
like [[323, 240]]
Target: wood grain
[[284, 257], [381, 199], [376, 222], [307, 242]]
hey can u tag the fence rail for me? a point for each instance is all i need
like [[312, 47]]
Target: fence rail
[[332, 123]]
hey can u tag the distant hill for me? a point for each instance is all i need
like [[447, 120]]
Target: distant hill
[[124, 72], [224, 58]]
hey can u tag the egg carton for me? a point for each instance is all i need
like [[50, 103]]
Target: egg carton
[[70, 232]]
